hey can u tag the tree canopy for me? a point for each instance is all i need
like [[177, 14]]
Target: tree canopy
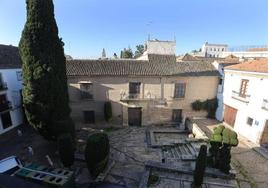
[[139, 50], [45, 93], [126, 53]]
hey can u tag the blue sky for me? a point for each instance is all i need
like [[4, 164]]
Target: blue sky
[[87, 26]]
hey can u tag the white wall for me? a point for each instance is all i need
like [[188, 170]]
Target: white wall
[[219, 111], [245, 54], [14, 85], [258, 90], [213, 50]]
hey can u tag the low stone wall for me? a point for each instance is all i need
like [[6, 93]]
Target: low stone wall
[[195, 130]]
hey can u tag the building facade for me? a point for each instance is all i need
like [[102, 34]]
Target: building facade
[[213, 50], [142, 92], [245, 99], [10, 88], [220, 65]]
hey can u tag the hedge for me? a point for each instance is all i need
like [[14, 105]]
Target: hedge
[[97, 153]]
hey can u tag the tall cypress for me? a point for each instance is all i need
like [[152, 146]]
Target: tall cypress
[[45, 93]]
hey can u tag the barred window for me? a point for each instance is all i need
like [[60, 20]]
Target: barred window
[[179, 91], [86, 90]]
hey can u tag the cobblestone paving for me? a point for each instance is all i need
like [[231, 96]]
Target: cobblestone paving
[[129, 151]]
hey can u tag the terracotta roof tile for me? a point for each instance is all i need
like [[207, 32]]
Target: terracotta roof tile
[[156, 66], [260, 65]]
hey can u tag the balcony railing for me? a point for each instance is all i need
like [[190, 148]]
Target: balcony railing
[[3, 86], [265, 104], [5, 105], [236, 95], [86, 95], [138, 97], [130, 96]]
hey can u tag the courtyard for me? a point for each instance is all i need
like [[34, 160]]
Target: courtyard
[[133, 160]]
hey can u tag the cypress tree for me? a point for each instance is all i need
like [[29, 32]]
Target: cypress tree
[[45, 95]]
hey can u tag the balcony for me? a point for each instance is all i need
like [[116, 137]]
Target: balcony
[[3, 86], [265, 104], [138, 97], [5, 105], [243, 98], [130, 96], [86, 95]]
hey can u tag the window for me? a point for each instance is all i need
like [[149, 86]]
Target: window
[[6, 120], [86, 90], [89, 116], [134, 89], [249, 121], [222, 49], [220, 81], [243, 88], [177, 115], [179, 91]]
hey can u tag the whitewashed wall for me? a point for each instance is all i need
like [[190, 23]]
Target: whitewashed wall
[[14, 85], [258, 90]]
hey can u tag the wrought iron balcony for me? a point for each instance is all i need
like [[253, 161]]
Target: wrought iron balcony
[[265, 104], [3, 86], [5, 105], [130, 96], [243, 98], [138, 97], [86, 95]]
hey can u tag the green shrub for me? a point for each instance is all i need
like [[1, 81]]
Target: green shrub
[[221, 142], [64, 127], [197, 105], [66, 149], [153, 179], [97, 153], [108, 111], [200, 167], [225, 158], [210, 105]]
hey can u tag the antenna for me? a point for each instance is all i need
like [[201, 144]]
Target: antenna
[[148, 27]]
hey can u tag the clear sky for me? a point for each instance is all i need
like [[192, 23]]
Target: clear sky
[[87, 26]]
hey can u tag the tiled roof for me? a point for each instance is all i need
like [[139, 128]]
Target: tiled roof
[[229, 60], [156, 66], [260, 65], [9, 57], [188, 57]]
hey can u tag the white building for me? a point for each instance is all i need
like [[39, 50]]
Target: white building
[[220, 64], [245, 99], [213, 50], [10, 88], [158, 47], [245, 54]]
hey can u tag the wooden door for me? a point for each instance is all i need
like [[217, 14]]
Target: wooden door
[[230, 115], [134, 116], [264, 138], [177, 115], [89, 116]]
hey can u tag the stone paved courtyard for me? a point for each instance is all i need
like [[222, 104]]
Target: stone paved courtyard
[[129, 154]]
